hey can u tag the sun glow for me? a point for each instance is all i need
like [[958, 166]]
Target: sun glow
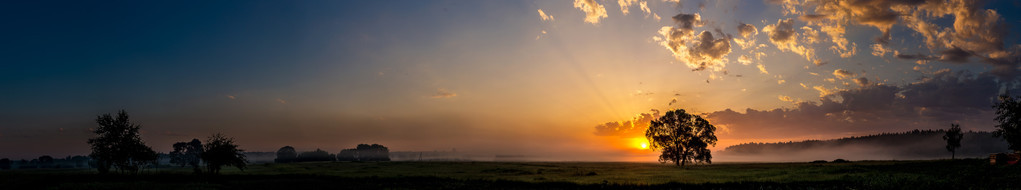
[[640, 143]]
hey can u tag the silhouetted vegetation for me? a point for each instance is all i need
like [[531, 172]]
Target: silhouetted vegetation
[[188, 154], [118, 145], [682, 137], [316, 156], [365, 152], [286, 154], [1008, 116], [953, 137], [221, 151]]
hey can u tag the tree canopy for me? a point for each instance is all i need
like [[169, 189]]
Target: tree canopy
[[953, 138], [286, 154], [221, 151], [682, 137], [119, 145], [1008, 116], [187, 154]]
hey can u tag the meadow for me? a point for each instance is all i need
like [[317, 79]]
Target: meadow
[[932, 174]]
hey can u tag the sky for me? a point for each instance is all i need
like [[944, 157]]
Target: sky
[[552, 80]]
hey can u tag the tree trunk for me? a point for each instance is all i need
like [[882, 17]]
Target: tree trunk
[[953, 154]]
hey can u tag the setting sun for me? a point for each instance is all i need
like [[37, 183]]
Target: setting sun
[[640, 143]]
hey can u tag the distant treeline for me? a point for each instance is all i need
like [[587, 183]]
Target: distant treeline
[[363, 152], [46, 162], [914, 144]]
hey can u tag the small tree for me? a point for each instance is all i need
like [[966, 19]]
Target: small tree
[[1008, 114], [682, 137], [188, 154], [221, 151], [286, 154], [118, 144], [953, 138]]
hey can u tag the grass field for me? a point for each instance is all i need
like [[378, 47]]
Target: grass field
[[938, 174]]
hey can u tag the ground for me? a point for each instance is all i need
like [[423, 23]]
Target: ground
[[939, 174]]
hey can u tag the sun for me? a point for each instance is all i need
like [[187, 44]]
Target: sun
[[640, 143]]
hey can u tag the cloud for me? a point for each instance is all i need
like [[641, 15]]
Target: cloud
[[930, 103], [956, 55], [843, 74], [782, 35], [625, 6], [698, 52], [785, 98], [631, 128], [672, 102], [744, 60], [443, 93], [544, 16], [282, 101], [862, 81], [593, 10], [747, 33], [957, 29], [231, 97]]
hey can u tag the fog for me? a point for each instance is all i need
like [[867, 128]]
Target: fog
[[919, 145]]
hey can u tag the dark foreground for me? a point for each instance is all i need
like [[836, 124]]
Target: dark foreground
[[942, 174]]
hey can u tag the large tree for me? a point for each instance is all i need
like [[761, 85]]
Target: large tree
[[682, 137], [187, 154], [221, 151], [1008, 114], [119, 145], [953, 138]]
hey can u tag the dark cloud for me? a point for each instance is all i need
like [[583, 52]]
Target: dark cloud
[[747, 30], [956, 55], [632, 128], [930, 103], [862, 81], [783, 32], [913, 56], [687, 22]]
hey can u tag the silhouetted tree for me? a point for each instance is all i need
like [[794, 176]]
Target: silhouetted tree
[[348, 155], [365, 152], [286, 154], [953, 138], [45, 161], [221, 151], [187, 154], [1008, 114], [682, 137], [118, 144], [317, 155], [5, 164]]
